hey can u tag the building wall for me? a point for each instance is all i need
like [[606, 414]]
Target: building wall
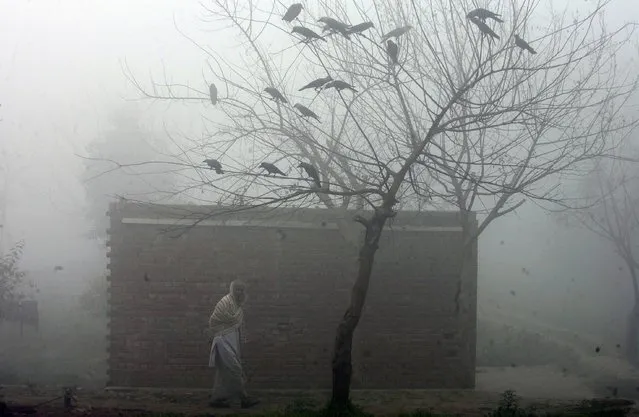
[[165, 280]]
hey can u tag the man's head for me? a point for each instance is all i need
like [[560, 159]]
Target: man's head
[[238, 291]]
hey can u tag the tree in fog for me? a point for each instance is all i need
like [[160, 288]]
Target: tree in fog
[[614, 217], [438, 113], [112, 169], [12, 277]]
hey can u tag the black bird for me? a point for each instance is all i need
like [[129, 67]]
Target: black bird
[[214, 164], [360, 27], [213, 94], [339, 85], [308, 34], [311, 171], [317, 84], [293, 11], [524, 45], [336, 26], [306, 112], [396, 33], [483, 14], [274, 92], [271, 168], [484, 27], [392, 50], [58, 268]]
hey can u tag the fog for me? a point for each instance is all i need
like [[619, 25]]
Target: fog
[[62, 72]]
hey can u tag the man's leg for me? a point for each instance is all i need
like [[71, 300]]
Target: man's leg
[[219, 395]]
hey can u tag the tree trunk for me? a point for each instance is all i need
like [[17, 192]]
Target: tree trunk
[[632, 335], [342, 354]]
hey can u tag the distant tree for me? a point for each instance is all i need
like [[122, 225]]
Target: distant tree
[[94, 298], [444, 115], [614, 217], [124, 142], [12, 278]]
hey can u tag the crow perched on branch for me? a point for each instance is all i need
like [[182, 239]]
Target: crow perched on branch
[[311, 171], [293, 11], [308, 34], [484, 28], [360, 27], [339, 85], [213, 93], [392, 50], [274, 92], [483, 14], [214, 164], [306, 112], [335, 26], [524, 45], [271, 168], [396, 33], [317, 84]]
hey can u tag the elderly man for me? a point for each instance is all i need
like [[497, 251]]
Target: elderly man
[[226, 326]]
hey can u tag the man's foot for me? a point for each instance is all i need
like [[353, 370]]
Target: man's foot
[[249, 402], [220, 404]]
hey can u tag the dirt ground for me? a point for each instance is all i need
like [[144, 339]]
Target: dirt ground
[[544, 387]]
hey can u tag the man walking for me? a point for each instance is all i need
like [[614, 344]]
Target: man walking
[[226, 325]]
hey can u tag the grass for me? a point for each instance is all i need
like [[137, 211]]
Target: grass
[[509, 406]]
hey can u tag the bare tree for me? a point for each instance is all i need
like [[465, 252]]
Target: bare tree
[[115, 152], [451, 113], [614, 185], [12, 278]]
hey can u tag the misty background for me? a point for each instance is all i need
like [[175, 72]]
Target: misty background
[[64, 96]]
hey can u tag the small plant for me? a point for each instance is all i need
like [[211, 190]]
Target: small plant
[[352, 410], [509, 406], [301, 406], [421, 413]]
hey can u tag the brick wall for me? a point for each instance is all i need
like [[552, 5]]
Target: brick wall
[[165, 281]]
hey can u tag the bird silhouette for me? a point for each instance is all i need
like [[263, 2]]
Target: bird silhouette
[[271, 168], [339, 85], [484, 28], [275, 94], [308, 34], [484, 14], [306, 112], [524, 45], [396, 33], [392, 50], [336, 26], [292, 12], [214, 164], [213, 93], [360, 27], [311, 171], [317, 84]]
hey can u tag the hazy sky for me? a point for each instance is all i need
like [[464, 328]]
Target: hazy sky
[[61, 76]]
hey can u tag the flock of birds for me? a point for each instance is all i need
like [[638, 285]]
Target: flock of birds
[[477, 16], [271, 169]]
